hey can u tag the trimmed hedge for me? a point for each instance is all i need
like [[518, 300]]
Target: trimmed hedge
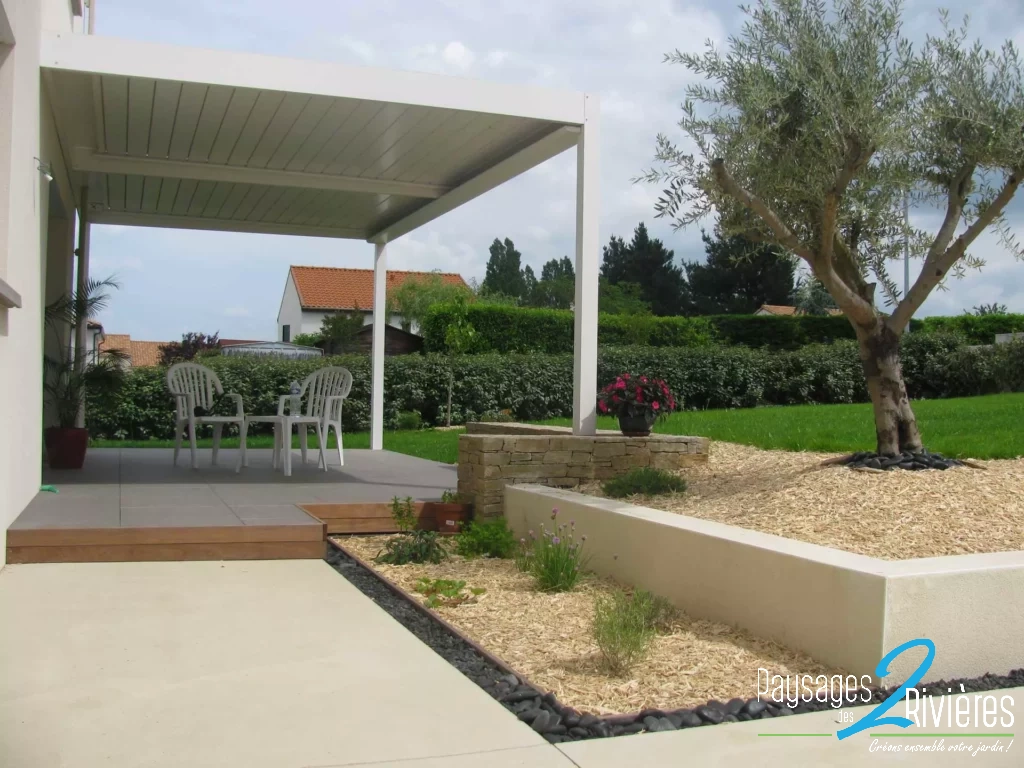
[[533, 387], [550, 331], [977, 329]]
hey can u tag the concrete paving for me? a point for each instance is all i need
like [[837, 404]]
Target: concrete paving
[[283, 664], [252, 664]]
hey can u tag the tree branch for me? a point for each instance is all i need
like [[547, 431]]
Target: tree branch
[[782, 233], [954, 210], [936, 267], [855, 307]]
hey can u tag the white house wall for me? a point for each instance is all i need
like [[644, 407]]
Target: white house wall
[[290, 312], [22, 249], [312, 318]]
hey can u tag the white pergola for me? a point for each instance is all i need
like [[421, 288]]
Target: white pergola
[[163, 136]]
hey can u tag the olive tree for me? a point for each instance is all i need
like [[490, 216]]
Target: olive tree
[[813, 128]]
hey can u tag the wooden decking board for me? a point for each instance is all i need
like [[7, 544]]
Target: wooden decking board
[[230, 534], [125, 553], [364, 518]]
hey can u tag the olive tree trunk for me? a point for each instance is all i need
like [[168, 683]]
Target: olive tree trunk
[[895, 424]]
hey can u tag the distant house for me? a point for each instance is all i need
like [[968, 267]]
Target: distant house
[[139, 354], [780, 310], [312, 292]]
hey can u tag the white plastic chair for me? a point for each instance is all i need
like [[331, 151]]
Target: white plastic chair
[[324, 391], [196, 386]]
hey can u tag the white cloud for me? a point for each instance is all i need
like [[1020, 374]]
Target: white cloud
[[237, 312], [458, 55], [361, 49], [538, 232], [496, 58]]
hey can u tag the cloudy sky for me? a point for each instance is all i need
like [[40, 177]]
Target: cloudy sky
[[178, 281]]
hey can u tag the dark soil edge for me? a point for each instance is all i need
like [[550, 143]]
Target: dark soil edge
[[557, 722]]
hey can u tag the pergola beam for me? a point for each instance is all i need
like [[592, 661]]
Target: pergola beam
[[86, 160], [545, 148], [129, 219]]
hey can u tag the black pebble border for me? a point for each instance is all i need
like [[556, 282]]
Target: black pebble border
[[906, 460], [558, 723]]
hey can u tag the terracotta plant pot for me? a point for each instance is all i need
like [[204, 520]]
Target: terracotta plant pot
[[66, 446], [637, 426], [449, 517]]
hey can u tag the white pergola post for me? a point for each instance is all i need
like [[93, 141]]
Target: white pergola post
[[82, 329], [584, 376], [380, 320]]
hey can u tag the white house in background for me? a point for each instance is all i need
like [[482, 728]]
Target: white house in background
[[310, 293]]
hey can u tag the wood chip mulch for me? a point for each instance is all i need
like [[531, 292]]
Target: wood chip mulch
[[895, 515], [547, 638]]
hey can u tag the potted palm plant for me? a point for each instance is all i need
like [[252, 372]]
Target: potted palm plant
[[637, 401], [69, 373]]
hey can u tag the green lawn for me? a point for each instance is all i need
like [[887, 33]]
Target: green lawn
[[977, 427]]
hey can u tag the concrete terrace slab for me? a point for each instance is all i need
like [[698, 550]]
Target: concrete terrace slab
[[274, 664]]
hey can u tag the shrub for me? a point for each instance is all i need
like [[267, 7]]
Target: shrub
[[644, 480], [556, 557], [976, 329], [446, 593], [409, 420], [486, 538], [533, 387], [413, 547], [624, 625]]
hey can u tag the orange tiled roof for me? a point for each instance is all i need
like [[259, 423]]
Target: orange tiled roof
[[779, 309], [116, 342], [338, 288], [146, 353], [140, 353]]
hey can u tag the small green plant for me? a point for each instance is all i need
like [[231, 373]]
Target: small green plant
[[413, 547], [409, 421], [447, 593], [451, 497], [502, 417], [647, 481], [523, 555], [624, 625], [403, 512], [556, 557], [486, 538]]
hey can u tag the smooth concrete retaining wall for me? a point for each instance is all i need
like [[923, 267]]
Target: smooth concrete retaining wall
[[844, 609]]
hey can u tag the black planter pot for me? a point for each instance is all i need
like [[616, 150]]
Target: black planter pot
[[636, 426]]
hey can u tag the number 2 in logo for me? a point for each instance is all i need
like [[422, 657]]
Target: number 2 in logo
[[874, 717]]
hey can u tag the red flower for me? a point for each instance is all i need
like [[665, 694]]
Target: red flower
[[620, 384], [603, 406], [625, 376], [616, 398], [643, 379], [655, 405]]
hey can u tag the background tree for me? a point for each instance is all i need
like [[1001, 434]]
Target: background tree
[[338, 331], [414, 297], [504, 275], [987, 309], [556, 288], [738, 277], [190, 346], [815, 127], [458, 338], [621, 299], [812, 298], [646, 262]]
